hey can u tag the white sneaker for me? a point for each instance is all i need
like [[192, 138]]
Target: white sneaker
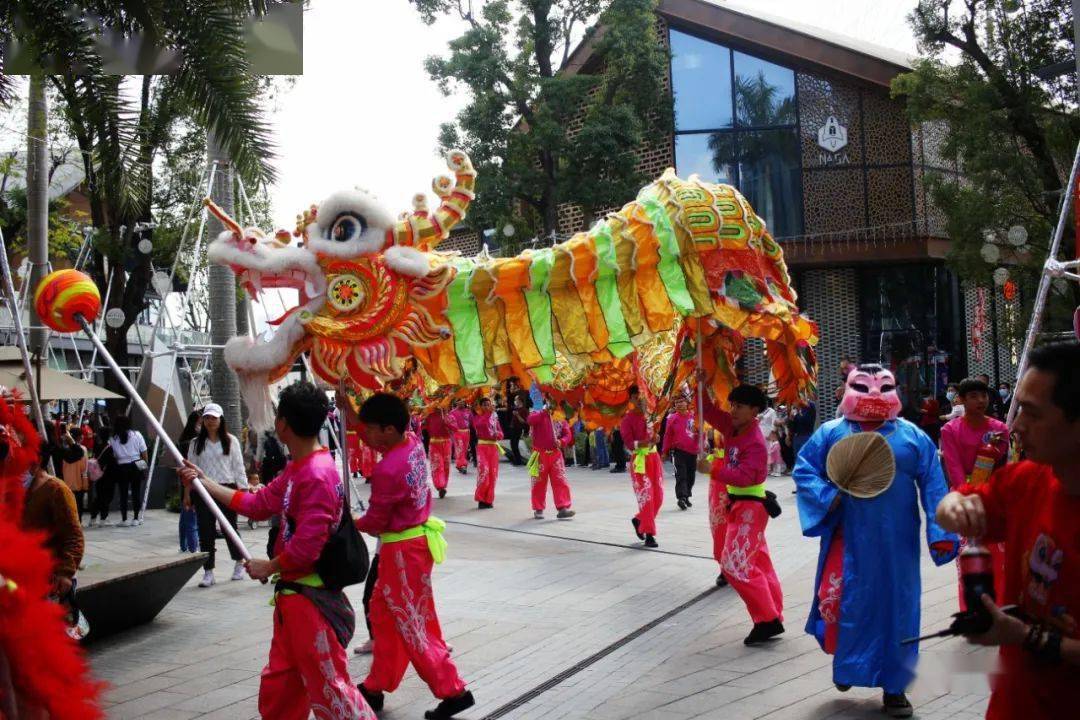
[[364, 649], [93, 522], [207, 578], [238, 571], [137, 522], [105, 523], [538, 514]]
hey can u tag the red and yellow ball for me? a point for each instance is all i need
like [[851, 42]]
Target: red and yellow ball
[[63, 294]]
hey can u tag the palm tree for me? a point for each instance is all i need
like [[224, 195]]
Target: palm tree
[[209, 83]]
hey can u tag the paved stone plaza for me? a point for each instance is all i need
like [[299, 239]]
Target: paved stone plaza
[[548, 619]]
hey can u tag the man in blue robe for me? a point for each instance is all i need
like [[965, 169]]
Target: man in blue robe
[[868, 588]]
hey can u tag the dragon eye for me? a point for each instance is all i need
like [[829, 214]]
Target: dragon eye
[[347, 227], [859, 387], [887, 388]]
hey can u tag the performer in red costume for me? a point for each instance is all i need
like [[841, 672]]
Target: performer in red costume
[[741, 472], [352, 445], [404, 624], [646, 469], [307, 670], [546, 463], [439, 429], [42, 671], [488, 434], [460, 418]]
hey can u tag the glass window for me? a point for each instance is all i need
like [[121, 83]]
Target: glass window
[[710, 155], [701, 81], [764, 92], [769, 177]]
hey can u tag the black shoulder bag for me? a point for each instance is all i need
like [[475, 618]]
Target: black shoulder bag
[[344, 558]]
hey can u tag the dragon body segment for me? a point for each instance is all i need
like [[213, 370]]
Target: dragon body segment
[[617, 304]]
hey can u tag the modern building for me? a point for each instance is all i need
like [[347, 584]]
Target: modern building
[[802, 122]]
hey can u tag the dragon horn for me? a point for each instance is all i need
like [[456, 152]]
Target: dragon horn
[[224, 217], [455, 195]]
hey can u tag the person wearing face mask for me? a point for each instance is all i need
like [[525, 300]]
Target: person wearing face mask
[[1006, 394], [956, 408], [868, 584]]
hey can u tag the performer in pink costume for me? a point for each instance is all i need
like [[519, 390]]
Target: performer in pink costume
[[438, 429], [546, 463], [682, 443], [488, 434], [306, 671], [405, 627], [745, 560], [961, 439], [646, 469], [460, 419]]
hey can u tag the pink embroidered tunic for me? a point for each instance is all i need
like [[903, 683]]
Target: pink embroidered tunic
[[960, 443], [437, 426], [679, 434], [400, 490], [487, 426], [542, 430], [308, 496], [459, 418], [746, 457], [634, 430]]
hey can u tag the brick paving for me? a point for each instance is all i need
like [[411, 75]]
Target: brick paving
[[524, 602]]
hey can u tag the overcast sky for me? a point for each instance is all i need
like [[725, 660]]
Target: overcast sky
[[366, 114]]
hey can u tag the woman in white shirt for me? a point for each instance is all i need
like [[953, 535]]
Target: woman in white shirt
[[129, 454], [221, 457]]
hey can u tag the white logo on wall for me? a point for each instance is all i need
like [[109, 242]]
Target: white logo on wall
[[832, 136]]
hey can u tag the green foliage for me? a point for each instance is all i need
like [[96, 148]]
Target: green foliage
[[539, 137], [1012, 134]]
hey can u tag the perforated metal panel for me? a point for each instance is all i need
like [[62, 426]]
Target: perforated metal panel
[[1003, 314], [831, 299]]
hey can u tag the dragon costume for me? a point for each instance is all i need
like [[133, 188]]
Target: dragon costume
[[622, 303]]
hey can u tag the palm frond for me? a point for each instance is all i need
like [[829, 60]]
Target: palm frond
[[219, 90]]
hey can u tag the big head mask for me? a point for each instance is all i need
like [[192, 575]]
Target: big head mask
[[870, 395]]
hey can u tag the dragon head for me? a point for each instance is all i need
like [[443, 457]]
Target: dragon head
[[369, 288]]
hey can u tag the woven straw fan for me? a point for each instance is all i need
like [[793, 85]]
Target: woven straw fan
[[861, 465]]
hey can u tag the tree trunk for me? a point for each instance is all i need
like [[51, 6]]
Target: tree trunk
[[224, 387], [37, 201]]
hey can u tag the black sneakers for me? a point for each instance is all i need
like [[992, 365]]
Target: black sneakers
[[374, 699], [450, 707], [896, 705], [442, 493], [764, 631], [484, 506], [650, 542], [635, 522], [721, 581], [682, 504]]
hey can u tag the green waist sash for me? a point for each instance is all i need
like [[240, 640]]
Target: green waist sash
[[753, 491], [432, 528], [640, 453]]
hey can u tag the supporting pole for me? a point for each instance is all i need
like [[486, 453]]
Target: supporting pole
[[700, 391], [1044, 282], [196, 485], [20, 339], [157, 439]]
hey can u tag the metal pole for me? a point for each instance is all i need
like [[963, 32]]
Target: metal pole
[[20, 339], [157, 440], [1044, 283], [230, 533], [700, 391]]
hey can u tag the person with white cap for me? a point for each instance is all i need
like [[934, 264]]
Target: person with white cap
[[219, 455]]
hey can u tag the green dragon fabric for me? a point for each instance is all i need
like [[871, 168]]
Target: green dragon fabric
[[465, 321], [607, 292], [539, 304], [670, 271]]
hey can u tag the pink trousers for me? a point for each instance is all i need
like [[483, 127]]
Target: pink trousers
[[553, 469], [746, 563], [404, 626], [649, 491], [487, 472], [307, 670], [461, 449], [439, 458]]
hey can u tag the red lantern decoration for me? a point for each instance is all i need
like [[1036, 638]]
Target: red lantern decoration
[[1009, 290]]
